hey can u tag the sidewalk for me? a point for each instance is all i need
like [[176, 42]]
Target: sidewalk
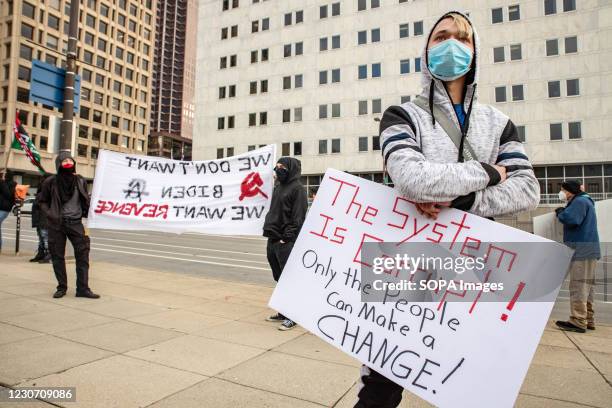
[[169, 340]]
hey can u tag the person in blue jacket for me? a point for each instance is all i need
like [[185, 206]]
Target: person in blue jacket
[[580, 233]]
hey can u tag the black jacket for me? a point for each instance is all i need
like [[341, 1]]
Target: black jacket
[[39, 220], [51, 204], [7, 194], [289, 205]]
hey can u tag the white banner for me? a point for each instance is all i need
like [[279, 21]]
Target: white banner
[[460, 348], [227, 196]]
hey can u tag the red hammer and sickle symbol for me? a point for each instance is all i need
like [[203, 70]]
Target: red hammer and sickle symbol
[[250, 186]]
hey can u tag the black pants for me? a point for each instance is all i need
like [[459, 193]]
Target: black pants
[[377, 391], [277, 256], [75, 233]]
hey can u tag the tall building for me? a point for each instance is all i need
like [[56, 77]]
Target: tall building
[[115, 54], [314, 76], [173, 107]]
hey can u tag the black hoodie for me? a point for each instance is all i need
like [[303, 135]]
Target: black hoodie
[[289, 205], [49, 195]]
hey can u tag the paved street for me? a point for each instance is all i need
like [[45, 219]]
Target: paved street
[[220, 257]]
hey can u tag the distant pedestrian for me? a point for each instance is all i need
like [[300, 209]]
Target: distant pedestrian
[[284, 221], [65, 201], [7, 197], [579, 232], [39, 221]]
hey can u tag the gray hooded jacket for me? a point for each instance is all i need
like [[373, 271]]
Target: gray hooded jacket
[[425, 164]]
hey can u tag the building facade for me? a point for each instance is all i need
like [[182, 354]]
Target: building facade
[[173, 107], [115, 54], [315, 76]]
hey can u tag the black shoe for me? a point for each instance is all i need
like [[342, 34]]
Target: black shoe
[[591, 326], [276, 318], [59, 294], [89, 295], [567, 326], [288, 324], [37, 257], [45, 260]]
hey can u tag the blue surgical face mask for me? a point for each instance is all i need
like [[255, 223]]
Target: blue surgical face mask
[[449, 60]]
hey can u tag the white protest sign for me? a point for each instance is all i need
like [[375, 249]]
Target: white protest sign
[[467, 353], [226, 196]]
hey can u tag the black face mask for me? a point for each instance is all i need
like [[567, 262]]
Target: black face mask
[[282, 174]]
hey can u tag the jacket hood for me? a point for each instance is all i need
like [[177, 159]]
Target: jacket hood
[[61, 157], [440, 95], [293, 165]]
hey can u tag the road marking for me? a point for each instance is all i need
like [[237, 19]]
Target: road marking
[[12, 238]]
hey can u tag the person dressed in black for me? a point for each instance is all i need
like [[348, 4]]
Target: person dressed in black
[[7, 197], [65, 201], [284, 221], [39, 221]]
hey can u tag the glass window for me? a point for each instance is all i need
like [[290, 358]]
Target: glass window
[[375, 3], [335, 145], [335, 75], [499, 54], [554, 89], [254, 55], [405, 66], [287, 82], [404, 30], [264, 54], [263, 118], [362, 71], [375, 35], [417, 64], [100, 80], [288, 17], [287, 50], [335, 9], [556, 132], [574, 130], [24, 73], [298, 81], [323, 146], [500, 94], [550, 7], [335, 42], [335, 110], [299, 17], [569, 5], [25, 52], [361, 5], [286, 149], [376, 106], [299, 48], [362, 37], [497, 15], [520, 130], [27, 31], [571, 45], [265, 24], [517, 93], [297, 114], [297, 148], [516, 52], [252, 88], [322, 111], [363, 144], [552, 47], [514, 12], [323, 44], [263, 86], [363, 107], [376, 70], [323, 11], [286, 116], [573, 87], [89, 38], [418, 28], [220, 126], [322, 77], [53, 21], [28, 10]]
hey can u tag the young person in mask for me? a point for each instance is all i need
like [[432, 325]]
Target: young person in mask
[[65, 201], [445, 149], [284, 221], [579, 232]]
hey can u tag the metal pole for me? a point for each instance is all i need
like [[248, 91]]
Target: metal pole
[[17, 227], [71, 57]]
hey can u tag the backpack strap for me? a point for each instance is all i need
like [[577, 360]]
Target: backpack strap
[[449, 127]]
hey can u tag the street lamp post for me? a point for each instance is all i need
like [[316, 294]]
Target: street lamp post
[[69, 82]]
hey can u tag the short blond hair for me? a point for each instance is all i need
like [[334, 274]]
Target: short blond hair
[[463, 25]]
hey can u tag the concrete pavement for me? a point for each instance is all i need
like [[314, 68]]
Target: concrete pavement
[[160, 339]]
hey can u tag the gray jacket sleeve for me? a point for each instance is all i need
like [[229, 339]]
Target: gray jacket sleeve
[[422, 180], [520, 191]]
